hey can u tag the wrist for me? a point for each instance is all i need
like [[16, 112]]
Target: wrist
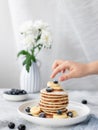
[[92, 68]]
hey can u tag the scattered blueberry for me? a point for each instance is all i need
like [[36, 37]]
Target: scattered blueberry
[[49, 89], [42, 114], [27, 109], [30, 114], [59, 112], [84, 101], [55, 82], [11, 125], [70, 114], [21, 127]]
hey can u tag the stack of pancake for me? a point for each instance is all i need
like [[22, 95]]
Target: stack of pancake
[[57, 99]]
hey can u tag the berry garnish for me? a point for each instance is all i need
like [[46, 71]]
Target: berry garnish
[[49, 89], [42, 115], [59, 112], [55, 82], [70, 114], [84, 101], [27, 109], [30, 114], [11, 125], [21, 127]]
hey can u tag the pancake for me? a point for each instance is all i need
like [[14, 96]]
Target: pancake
[[54, 102], [51, 102], [54, 112], [54, 93]]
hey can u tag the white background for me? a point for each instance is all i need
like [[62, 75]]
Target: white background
[[9, 71], [75, 33]]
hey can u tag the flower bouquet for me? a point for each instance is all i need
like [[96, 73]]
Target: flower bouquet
[[36, 36]]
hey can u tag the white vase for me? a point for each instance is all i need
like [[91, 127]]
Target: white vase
[[30, 81]]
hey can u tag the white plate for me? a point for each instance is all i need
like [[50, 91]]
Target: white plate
[[15, 97], [83, 112]]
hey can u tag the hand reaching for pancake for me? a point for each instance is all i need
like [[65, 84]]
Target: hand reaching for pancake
[[73, 69]]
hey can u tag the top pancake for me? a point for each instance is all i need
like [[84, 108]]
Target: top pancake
[[54, 93]]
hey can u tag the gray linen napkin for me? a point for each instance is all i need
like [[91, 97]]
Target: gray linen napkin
[[90, 124]]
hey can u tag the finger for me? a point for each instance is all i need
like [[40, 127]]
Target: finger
[[56, 63], [58, 69], [66, 77], [63, 71]]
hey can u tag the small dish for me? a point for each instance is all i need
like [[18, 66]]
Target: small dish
[[15, 97]]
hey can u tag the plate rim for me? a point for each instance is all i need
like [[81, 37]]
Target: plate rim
[[36, 100]]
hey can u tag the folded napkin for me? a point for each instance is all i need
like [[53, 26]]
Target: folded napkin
[[91, 123]]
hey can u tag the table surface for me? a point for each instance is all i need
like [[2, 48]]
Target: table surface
[[8, 109]]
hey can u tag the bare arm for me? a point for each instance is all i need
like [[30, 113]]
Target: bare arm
[[75, 69], [93, 67]]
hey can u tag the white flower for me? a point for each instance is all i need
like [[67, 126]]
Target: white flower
[[41, 25], [29, 41], [36, 33], [46, 39], [27, 27]]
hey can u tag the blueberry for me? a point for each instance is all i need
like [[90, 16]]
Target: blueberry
[[30, 114], [59, 112], [13, 89], [42, 115], [21, 127], [70, 114], [27, 109], [55, 82], [13, 93], [48, 89], [84, 101], [23, 92], [6, 92], [17, 92], [11, 125]]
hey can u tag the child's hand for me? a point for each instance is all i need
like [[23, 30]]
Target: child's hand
[[75, 69]]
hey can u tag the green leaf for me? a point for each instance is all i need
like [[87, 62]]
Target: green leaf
[[33, 58], [24, 62], [22, 52], [28, 62], [29, 58]]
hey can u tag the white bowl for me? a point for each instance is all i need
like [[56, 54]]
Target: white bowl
[[15, 97], [82, 110]]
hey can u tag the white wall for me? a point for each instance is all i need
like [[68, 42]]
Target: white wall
[[75, 32], [9, 72]]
